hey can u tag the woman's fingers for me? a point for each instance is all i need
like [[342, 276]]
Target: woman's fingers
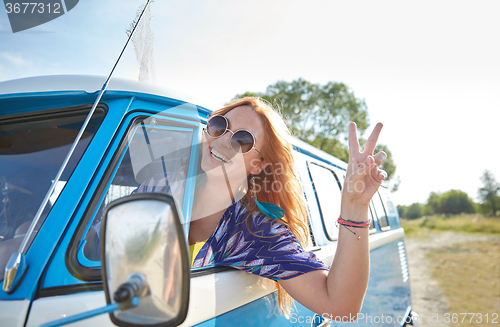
[[378, 174], [365, 164], [353, 139], [365, 167], [370, 166], [380, 158], [372, 140], [383, 174]]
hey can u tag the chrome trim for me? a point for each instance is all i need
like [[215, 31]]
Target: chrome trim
[[403, 262], [14, 271]]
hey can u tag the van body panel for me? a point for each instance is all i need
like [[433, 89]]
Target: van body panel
[[210, 296], [389, 290], [263, 312], [13, 313], [51, 308], [216, 294], [381, 239]]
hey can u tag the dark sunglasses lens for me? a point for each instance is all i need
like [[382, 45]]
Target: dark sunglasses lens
[[216, 126], [242, 141]]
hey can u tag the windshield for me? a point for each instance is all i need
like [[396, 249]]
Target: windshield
[[32, 149]]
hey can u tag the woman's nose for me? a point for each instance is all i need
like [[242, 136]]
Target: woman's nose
[[225, 139]]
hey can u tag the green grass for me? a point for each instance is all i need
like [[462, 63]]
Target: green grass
[[467, 223], [468, 275]]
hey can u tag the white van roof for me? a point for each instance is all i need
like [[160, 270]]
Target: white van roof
[[89, 84]]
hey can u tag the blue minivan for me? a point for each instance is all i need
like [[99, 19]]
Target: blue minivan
[[58, 264]]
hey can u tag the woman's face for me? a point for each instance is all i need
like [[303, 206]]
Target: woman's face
[[239, 165]]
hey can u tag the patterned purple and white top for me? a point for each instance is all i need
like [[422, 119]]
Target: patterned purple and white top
[[274, 253]]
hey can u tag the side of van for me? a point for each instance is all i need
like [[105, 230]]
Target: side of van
[[135, 132]]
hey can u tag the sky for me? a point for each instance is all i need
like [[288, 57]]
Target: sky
[[428, 70]]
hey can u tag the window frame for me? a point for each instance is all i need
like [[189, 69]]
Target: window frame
[[313, 246], [308, 163], [388, 226], [386, 201], [72, 257]]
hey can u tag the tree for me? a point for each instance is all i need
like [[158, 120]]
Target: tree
[[451, 202], [320, 115], [454, 202], [414, 211], [433, 203], [402, 211], [488, 194]]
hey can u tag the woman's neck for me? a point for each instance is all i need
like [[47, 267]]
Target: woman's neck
[[213, 196]]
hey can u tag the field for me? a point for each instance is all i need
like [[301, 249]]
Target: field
[[472, 223], [462, 257]]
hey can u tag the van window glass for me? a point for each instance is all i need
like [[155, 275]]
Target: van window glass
[[32, 149], [160, 152], [388, 205], [328, 194], [380, 211], [312, 240]]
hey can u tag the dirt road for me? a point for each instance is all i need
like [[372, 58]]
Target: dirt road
[[426, 296]]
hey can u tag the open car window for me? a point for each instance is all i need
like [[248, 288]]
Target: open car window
[[156, 156]]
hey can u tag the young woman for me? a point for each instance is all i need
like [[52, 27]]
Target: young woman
[[248, 166]]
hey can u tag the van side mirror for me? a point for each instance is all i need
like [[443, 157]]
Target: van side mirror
[[145, 264]]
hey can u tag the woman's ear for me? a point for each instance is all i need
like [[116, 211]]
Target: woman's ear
[[258, 165]]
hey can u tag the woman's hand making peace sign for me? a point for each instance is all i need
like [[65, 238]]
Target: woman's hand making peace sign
[[340, 291], [363, 176]]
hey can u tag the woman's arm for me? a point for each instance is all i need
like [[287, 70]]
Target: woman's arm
[[340, 292]]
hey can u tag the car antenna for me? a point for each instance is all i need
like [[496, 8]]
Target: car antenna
[[16, 266]]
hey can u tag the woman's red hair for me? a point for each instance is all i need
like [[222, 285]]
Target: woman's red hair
[[280, 172]]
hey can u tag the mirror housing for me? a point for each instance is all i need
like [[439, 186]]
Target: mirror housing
[[144, 257]]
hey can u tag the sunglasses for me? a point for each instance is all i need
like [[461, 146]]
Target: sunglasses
[[241, 141]]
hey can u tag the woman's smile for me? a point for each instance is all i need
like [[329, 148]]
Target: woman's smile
[[217, 156]]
